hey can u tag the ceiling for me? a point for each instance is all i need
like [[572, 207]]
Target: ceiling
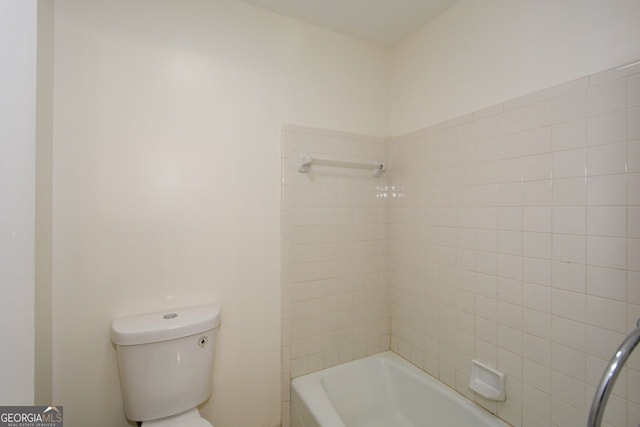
[[383, 22]]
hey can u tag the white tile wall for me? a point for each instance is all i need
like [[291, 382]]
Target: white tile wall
[[335, 228], [542, 243], [511, 235]]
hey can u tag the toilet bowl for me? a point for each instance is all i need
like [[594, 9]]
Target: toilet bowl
[[190, 418], [165, 361]]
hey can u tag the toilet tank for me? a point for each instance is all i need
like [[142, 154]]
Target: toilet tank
[[165, 360]]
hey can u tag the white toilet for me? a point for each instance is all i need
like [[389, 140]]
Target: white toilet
[[166, 365]]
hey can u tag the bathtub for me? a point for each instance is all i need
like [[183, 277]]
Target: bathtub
[[382, 390]]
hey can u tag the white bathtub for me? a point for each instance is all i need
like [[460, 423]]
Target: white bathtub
[[383, 390]]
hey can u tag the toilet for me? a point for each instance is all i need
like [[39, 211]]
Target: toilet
[[165, 362]]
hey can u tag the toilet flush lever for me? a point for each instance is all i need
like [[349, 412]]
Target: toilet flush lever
[[202, 341]]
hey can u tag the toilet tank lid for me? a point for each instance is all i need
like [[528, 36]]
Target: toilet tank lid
[[165, 325]]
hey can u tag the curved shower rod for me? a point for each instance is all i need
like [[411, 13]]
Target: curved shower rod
[[610, 375]]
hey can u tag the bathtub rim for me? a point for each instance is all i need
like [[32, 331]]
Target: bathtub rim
[[309, 388]]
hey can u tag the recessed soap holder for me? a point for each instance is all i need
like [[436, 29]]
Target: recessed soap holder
[[486, 381]]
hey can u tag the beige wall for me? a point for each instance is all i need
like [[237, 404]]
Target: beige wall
[[481, 53], [167, 181], [18, 24], [44, 203]]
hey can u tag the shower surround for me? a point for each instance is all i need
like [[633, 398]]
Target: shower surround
[[510, 235]]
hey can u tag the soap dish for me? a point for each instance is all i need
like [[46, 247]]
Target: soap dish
[[487, 382]]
